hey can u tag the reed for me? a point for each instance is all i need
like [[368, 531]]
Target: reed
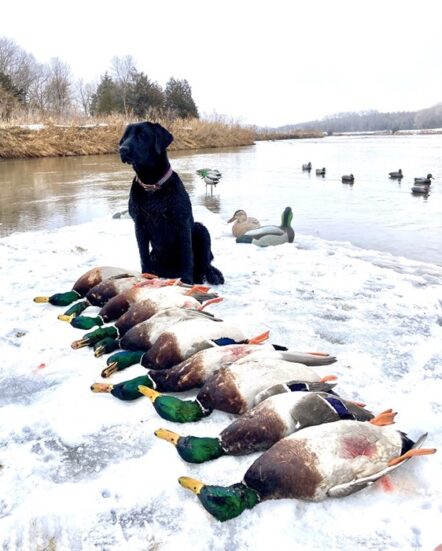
[[45, 138]]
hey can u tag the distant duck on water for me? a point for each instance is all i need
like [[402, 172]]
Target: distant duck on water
[[271, 235], [320, 171], [307, 167], [426, 180], [243, 223], [396, 175], [348, 179]]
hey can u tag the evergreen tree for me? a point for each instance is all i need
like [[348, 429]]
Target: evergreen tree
[[178, 99], [107, 98], [144, 97]]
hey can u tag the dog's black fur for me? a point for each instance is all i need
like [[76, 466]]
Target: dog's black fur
[[170, 243]]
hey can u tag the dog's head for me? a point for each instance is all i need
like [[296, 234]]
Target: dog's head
[[142, 143]]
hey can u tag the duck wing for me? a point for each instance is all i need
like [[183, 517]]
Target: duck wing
[[265, 230], [342, 490]]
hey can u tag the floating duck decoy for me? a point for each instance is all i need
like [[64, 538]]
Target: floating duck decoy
[[420, 189], [396, 175], [86, 282], [320, 171], [271, 235], [426, 180], [243, 223], [164, 296], [275, 418], [194, 372], [330, 460], [231, 389], [348, 179], [307, 167]]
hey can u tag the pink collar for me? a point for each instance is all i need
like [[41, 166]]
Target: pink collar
[[157, 186]]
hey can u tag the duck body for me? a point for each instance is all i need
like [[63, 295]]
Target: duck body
[[320, 172], [396, 175], [143, 335], [420, 189], [186, 338], [86, 282], [426, 180], [270, 421], [307, 167], [330, 460], [266, 236], [243, 223], [348, 179]]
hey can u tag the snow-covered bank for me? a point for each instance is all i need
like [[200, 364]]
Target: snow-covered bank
[[84, 471]]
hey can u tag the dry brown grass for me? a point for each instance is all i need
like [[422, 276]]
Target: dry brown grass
[[19, 139]]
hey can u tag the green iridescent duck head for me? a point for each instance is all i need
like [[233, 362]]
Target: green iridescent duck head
[[105, 346], [120, 361], [127, 390], [192, 449], [86, 322], [60, 299], [90, 339], [174, 409], [74, 311], [223, 502]]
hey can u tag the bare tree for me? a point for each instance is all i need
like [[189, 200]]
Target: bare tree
[[58, 87], [123, 69], [84, 92]]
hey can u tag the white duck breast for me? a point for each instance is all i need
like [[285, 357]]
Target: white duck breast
[[233, 389], [186, 338], [315, 461], [96, 275], [143, 335]]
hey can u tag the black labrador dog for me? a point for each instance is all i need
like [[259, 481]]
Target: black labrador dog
[[170, 243]]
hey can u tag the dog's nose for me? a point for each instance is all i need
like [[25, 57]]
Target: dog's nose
[[124, 153]]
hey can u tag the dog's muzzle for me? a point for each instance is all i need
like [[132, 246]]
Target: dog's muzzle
[[125, 155]]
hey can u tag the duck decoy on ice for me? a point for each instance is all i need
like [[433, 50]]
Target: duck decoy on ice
[[272, 420], [320, 171], [348, 179], [243, 223], [210, 176], [396, 175], [330, 460], [86, 282], [307, 167], [426, 180], [271, 235]]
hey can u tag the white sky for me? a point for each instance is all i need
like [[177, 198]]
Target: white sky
[[265, 63]]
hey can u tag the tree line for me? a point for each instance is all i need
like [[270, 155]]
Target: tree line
[[372, 121], [50, 90]]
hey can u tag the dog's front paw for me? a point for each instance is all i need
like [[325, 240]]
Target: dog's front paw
[[214, 276]]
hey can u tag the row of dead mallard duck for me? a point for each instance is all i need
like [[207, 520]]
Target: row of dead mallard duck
[[316, 444]]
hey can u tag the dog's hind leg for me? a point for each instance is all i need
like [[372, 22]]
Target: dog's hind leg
[[202, 257]]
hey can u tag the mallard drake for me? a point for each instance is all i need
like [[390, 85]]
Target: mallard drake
[[348, 179], [426, 180], [396, 175], [330, 460], [144, 309], [194, 372], [117, 305], [186, 338], [104, 291], [271, 235], [85, 283], [307, 167], [210, 176], [231, 389], [320, 171], [243, 223], [273, 419]]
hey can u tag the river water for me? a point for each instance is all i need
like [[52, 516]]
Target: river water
[[375, 213]]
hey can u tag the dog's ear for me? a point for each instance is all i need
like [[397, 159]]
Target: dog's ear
[[163, 138]]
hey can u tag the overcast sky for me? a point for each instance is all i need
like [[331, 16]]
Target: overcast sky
[[260, 62]]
